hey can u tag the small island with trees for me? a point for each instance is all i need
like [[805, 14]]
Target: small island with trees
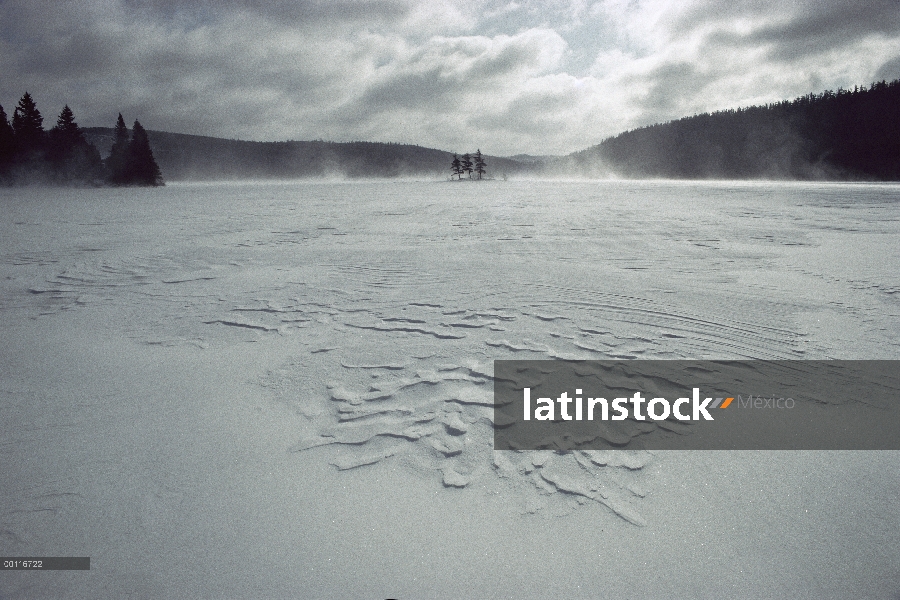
[[63, 155], [468, 164]]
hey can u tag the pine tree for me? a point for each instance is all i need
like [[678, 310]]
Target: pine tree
[[63, 138], [467, 164], [118, 154], [66, 124], [141, 167], [457, 166], [28, 126], [70, 155], [7, 146], [479, 163]]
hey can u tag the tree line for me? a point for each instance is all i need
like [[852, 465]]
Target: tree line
[[847, 134], [63, 156], [469, 164]]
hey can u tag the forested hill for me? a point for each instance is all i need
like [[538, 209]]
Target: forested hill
[[183, 157], [848, 134]]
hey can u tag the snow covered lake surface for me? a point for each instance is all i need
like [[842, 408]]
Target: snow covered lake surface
[[283, 389]]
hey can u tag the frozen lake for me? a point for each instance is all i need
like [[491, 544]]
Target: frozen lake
[[283, 389]]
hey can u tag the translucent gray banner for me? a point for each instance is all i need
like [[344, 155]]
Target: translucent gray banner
[[45, 563], [697, 405]]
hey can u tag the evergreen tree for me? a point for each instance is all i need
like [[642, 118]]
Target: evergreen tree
[[7, 146], [66, 125], [141, 167], [71, 157], [63, 138], [118, 154], [467, 164], [479, 164], [28, 126], [457, 166]]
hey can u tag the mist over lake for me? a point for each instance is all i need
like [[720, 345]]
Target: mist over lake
[[282, 389]]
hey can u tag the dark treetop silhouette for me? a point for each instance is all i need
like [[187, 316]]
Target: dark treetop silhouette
[[70, 157], [480, 164], [133, 165], [457, 167]]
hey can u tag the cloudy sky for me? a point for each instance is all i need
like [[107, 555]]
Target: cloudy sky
[[547, 77]]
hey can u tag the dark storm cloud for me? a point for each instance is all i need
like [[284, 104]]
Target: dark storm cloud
[[445, 72], [185, 69], [820, 27], [294, 12], [671, 83]]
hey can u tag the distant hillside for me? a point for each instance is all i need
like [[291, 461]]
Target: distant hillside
[[843, 135], [184, 157], [848, 134]]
